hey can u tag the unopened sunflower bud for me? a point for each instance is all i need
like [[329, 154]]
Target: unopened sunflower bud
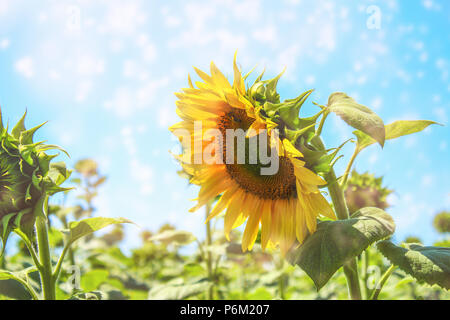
[[258, 92], [442, 222], [26, 175], [364, 190]]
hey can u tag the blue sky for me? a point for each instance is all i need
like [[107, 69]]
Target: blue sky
[[103, 73]]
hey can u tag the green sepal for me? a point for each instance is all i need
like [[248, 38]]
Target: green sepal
[[271, 89], [57, 175], [46, 147], [5, 230], [290, 110], [27, 152], [44, 162], [24, 221], [26, 137], [19, 127]]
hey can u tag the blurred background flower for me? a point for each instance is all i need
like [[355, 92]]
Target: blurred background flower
[[109, 69]]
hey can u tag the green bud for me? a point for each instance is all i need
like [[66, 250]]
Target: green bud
[[258, 92], [442, 222], [26, 175]]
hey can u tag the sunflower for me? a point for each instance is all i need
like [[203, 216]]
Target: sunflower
[[27, 174], [286, 204]]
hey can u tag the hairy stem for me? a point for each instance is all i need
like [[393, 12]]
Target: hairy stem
[[340, 206], [209, 258], [349, 167], [47, 280], [382, 282]]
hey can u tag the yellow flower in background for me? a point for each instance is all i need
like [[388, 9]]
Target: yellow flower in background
[[286, 204]]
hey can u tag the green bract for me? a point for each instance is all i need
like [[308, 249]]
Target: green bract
[[26, 175]]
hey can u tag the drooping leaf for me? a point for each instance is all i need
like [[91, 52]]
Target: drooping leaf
[[13, 284], [335, 242], [425, 263], [79, 229], [394, 130], [358, 116]]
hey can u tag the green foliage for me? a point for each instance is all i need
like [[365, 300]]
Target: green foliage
[[394, 130], [335, 242], [357, 116], [79, 229], [178, 290], [428, 264]]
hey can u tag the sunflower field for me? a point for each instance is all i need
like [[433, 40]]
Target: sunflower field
[[227, 181]]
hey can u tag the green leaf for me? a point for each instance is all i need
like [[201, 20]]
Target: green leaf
[[79, 229], [394, 130], [91, 280], [336, 242], [358, 116], [428, 264], [178, 291]]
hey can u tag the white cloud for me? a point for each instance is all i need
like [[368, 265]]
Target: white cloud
[[266, 34], [166, 117], [143, 174], [83, 89], [4, 44], [126, 100], [431, 5], [441, 113], [4, 6], [122, 18], [25, 67], [376, 103], [90, 66]]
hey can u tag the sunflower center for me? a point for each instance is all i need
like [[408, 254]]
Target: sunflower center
[[280, 185]]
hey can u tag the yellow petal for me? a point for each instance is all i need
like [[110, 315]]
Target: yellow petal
[[218, 77], [222, 203], [322, 206], [233, 211], [288, 227], [301, 229], [306, 175], [266, 223], [291, 150], [238, 82], [251, 229]]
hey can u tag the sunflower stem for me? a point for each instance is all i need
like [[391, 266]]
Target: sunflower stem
[[209, 258], [340, 206], [349, 166], [351, 267], [382, 282], [47, 280]]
